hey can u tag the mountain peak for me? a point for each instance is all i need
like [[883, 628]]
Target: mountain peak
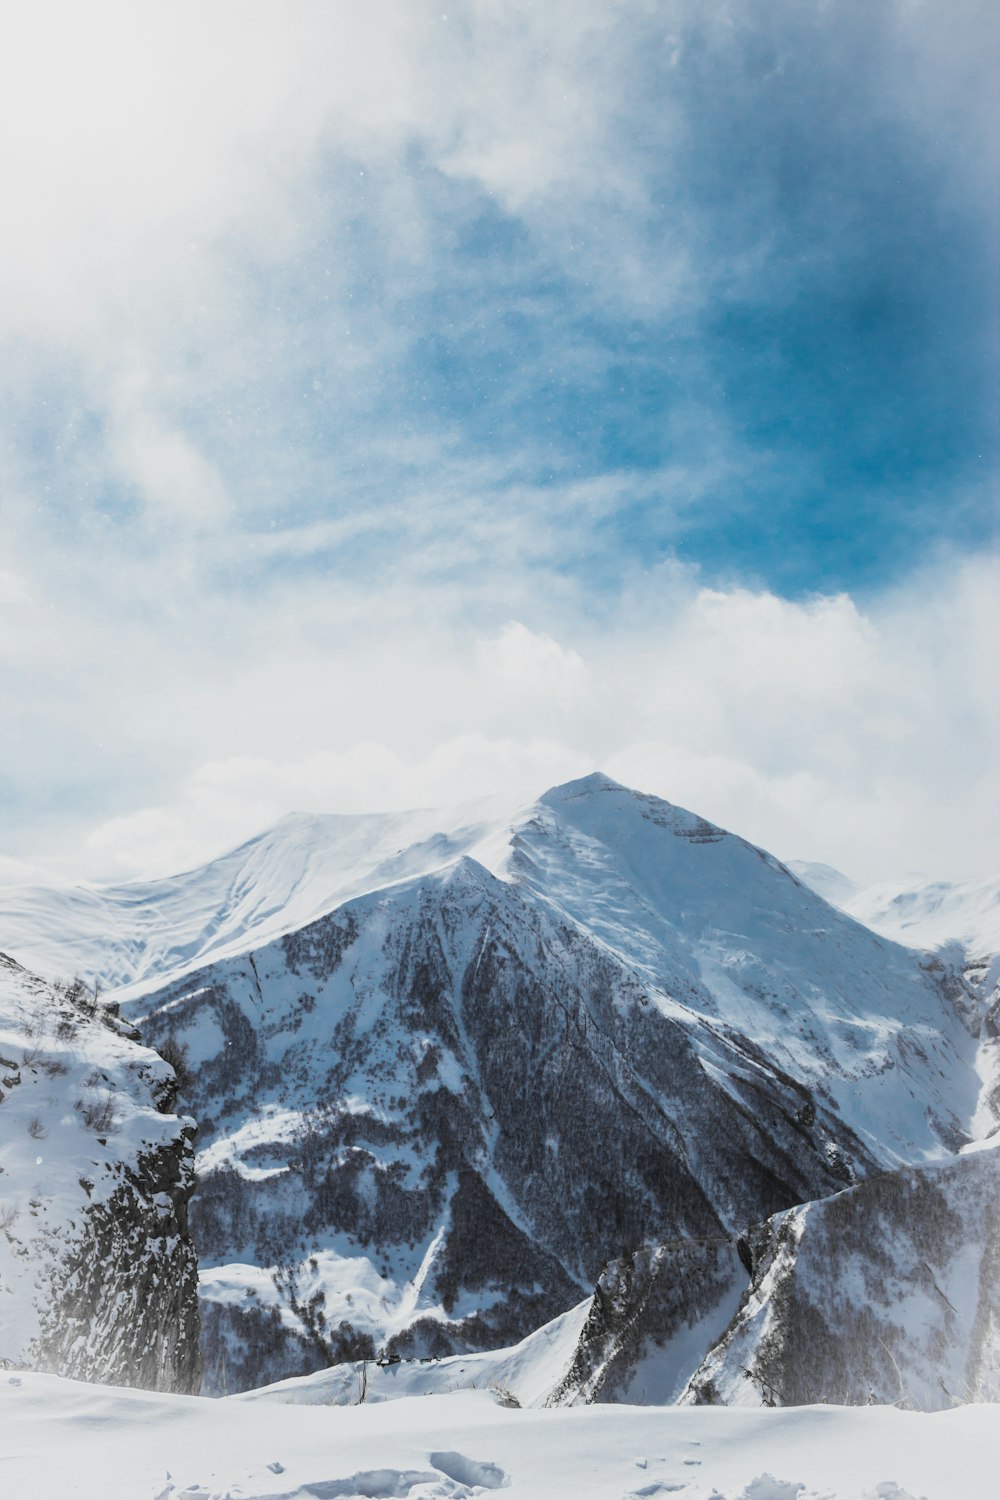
[[583, 786]]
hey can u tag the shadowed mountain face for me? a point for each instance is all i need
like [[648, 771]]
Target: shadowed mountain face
[[429, 1118]]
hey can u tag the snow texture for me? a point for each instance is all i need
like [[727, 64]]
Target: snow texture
[[464, 1445]]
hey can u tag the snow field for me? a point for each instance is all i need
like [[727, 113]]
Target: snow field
[[66, 1441]]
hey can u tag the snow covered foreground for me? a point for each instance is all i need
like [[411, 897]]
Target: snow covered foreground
[[60, 1440]]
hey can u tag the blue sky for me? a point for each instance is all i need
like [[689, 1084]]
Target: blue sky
[[470, 377]]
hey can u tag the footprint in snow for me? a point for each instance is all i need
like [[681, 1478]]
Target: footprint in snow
[[657, 1487], [455, 1477], [470, 1471]]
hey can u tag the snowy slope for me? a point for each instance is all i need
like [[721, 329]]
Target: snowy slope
[[97, 1273], [74, 1442], [919, 913], [431, 1117], [526, 1375], [929, 914], [887, 1292], [131, 936], [721, 929]]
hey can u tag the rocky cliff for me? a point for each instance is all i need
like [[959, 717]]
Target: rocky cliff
[[886, 1293], [652, 1317], [98, 1275]]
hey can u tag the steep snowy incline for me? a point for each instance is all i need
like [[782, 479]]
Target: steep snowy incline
[[135, 935], [98, 1277], [960, 923], [729, 939], [888, 1292]]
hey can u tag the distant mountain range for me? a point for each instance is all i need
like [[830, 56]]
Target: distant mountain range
[[920, 913]]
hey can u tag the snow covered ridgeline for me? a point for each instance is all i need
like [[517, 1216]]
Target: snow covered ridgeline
[[431, 1117], [133, 937], [888, 1292], [98, 1277]]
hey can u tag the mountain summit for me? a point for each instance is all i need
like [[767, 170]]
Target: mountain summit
[[447, 1065]]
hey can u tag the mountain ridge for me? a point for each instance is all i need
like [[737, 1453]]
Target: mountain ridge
[[509, 1051], [454, 1097]]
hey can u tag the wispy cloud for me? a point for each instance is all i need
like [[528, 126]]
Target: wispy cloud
[[365, 367]]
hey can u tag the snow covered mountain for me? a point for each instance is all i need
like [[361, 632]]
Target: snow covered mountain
[[132, 936], [958, 921], [929, 914], [430, 1117], [98, 1276], [887, 1293]]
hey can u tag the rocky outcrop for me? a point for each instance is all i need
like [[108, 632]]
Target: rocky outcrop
[[98, 1274], [886, 1293], [651, 1318]]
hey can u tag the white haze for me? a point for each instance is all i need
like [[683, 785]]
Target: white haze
[[858, 736]]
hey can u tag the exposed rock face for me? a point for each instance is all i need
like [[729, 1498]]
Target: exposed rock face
[[431, 1117], [651, 1317], [98, 1275], [889, 1292]]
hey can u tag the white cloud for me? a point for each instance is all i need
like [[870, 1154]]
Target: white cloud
[[865, 736], [530, 665], [181, 672], [172, 477]]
